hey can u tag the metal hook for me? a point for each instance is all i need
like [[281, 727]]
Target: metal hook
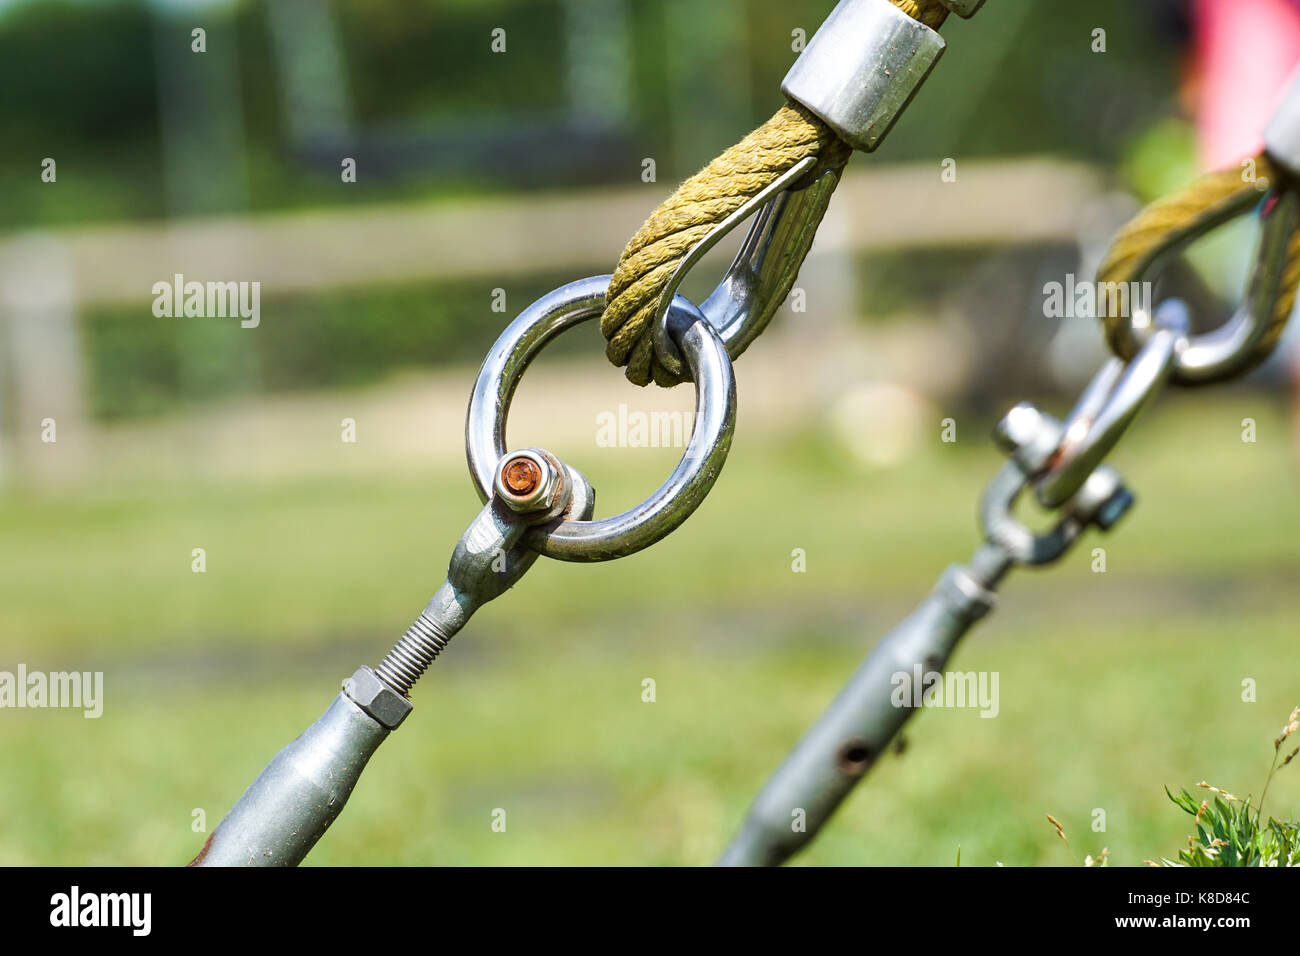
[[1110, 403], [759, 278], [1231, 347]]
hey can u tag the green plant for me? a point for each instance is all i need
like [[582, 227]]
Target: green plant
[[1101, 859], [1230, 831]]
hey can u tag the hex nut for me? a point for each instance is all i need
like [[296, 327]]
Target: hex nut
[[1103, 499], [546, 485], [376, 698]]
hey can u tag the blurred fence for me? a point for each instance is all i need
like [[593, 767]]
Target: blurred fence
[[49, 279]]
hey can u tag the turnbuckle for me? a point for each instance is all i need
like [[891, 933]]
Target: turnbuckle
[[1063, 463], [860, 723]]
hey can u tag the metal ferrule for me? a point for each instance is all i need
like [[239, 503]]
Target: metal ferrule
[[1282, 135], [862, 68]]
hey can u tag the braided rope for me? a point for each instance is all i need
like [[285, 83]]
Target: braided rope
[[930, 12], [1172, 217], [652, 256]]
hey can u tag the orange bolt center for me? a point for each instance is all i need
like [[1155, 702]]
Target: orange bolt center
[[522, 476]]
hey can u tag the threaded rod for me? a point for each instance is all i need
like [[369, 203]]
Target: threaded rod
[[412, 655]]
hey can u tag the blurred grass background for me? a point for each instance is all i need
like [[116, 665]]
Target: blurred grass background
[[1112, 685]]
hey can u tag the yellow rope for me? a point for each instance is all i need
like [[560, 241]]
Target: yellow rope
[[1131, 251], [699, 204], [930, 12], [704, 200]]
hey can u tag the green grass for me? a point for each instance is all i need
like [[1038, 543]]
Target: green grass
[[1112, 685]]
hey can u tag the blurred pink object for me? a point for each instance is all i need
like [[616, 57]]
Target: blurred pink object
[[1245, 51]]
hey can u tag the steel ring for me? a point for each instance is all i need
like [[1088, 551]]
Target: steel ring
[[998, 521], [669, 505]]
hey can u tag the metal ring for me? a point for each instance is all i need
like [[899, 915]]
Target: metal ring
[[690, 481], [998, 521], [758, 280], [1229, 349], [1101, 500]]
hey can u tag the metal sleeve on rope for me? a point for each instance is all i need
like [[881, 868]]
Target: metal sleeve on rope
[[861, 69], [651, 258]]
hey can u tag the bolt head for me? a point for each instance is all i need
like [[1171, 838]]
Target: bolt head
[[528, 480], [1018, 427], [521, 476]]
